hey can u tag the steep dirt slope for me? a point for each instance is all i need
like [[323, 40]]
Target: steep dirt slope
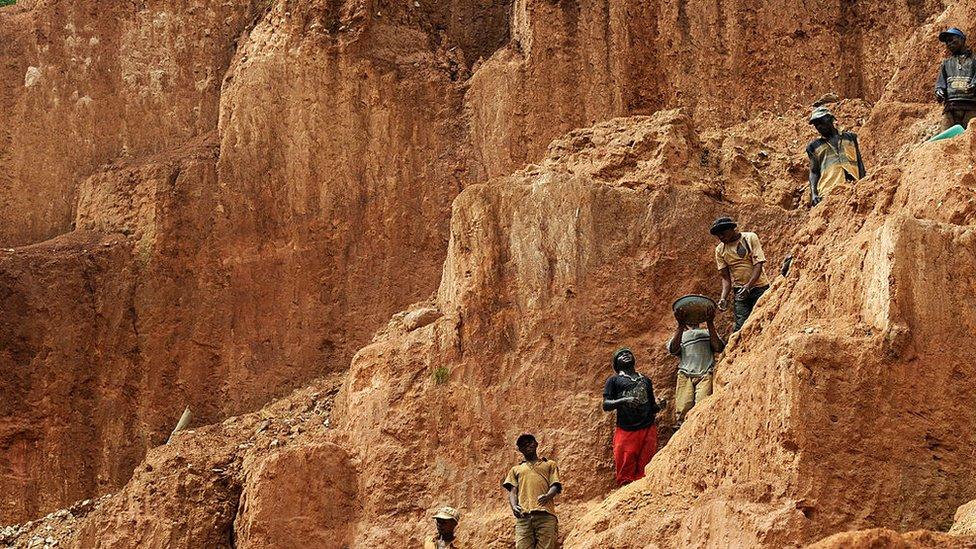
[[569, 247], [548, 272], [838, 409], [266, 216]]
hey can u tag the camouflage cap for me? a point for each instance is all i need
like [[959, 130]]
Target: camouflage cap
[[448, 513]]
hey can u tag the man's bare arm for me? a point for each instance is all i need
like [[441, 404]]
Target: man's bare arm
[[814, 179], [612, 404], [723, 302], [757, 271], [553, 490], [514, 503], [860, 161], [674, 346]]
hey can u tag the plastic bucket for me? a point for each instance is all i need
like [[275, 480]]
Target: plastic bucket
[[948, 134]]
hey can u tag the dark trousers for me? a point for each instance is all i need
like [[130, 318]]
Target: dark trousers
[[955, 115], [744, 305]]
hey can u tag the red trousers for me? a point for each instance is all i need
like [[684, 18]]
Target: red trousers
[[632, 450]]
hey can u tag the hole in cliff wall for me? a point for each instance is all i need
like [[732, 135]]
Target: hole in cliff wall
[[571, 12]]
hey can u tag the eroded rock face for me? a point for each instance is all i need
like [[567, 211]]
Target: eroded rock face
[[67, 301], [85, 83], [571, 64], [302, 496], [277, 180], [256, 252], [549, 271], [317, 189]]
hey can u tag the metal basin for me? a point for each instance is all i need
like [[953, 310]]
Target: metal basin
[[696, 308]]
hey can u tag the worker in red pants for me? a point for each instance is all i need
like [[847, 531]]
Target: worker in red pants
[[632, 396]]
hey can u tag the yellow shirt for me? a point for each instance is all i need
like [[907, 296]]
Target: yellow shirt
[[531, 480], [740, 257], [431, 543], [837, 166]]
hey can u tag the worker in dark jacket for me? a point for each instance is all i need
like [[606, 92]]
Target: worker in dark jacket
[[956, 85], [835, 156]]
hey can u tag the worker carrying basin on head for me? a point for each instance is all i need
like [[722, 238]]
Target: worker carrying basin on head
[[696, 348], [740, 259], [835, 156], [956, 85]]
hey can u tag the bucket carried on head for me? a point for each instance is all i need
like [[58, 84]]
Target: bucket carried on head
[[695, 308]]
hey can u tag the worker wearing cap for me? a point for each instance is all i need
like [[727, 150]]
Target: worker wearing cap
[[740, 259], [447, 519], [532, 485], [956, 85], [835, 157]]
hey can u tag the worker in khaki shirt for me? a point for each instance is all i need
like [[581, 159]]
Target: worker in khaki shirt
[[740, 259], [447, 519], [532, 485]]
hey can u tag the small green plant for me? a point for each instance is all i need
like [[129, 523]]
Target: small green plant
[[7, 3], [440, 375]]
